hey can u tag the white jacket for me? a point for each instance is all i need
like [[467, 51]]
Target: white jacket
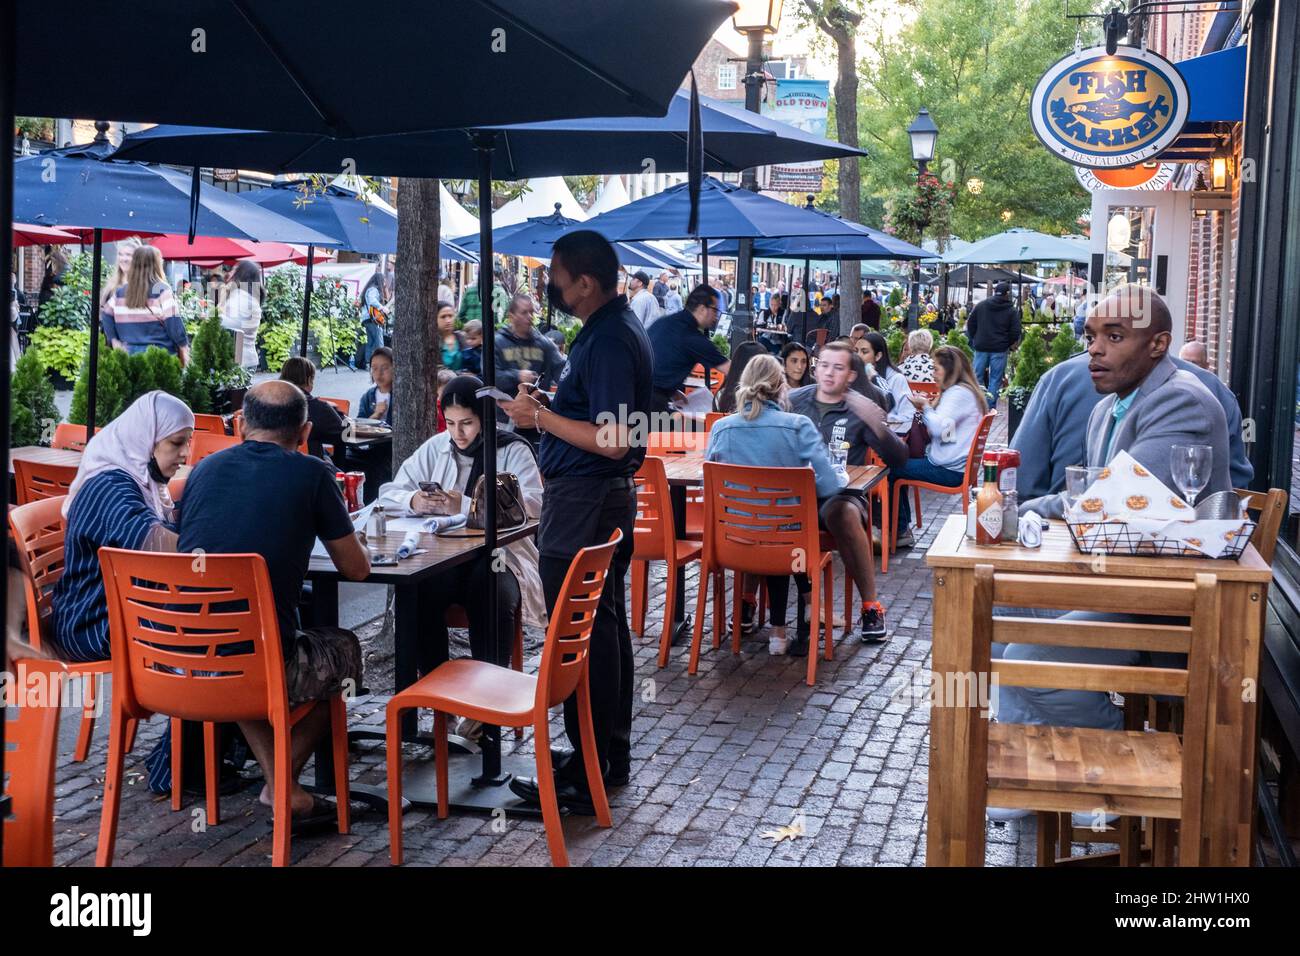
[[436, 461], [241, 313], [952, 424]]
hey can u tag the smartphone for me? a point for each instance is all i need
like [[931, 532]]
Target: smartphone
[[431, 488], [495, 392], [383, 560]]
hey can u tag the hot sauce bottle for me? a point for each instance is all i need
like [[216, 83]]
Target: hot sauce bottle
[[988, 508]]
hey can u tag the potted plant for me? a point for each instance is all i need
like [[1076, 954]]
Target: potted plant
[[32, 412], [212, 382]]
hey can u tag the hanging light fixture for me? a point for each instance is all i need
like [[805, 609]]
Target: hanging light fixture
[[1219, 172], [923, 135], [762, 15]]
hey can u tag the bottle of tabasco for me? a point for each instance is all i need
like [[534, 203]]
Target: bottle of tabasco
[[988, 508]]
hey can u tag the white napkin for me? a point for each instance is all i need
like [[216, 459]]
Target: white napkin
[[1030, 533]]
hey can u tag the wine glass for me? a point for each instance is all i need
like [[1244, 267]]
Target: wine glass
[[1190, 465]]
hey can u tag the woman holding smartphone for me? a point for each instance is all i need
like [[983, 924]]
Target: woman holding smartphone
[[439, 479]]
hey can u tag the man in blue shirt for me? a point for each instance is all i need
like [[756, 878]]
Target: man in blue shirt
[[587, 460], [680, 341]]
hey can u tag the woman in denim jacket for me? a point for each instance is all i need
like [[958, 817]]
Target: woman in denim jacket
[[762, 433]]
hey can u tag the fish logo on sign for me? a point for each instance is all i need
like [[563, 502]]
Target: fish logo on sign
[[1094, 109]]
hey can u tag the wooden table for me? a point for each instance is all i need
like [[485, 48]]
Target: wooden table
[[44, 456], [956, 826], [442, 553]]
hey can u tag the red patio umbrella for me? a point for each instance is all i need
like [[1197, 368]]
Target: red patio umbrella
[[42, 236], [207, 251], [1073, 281]]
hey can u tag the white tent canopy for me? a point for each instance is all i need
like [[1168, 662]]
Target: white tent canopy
[[612, 196], [1020, 245], [455, 221], [539, 200]]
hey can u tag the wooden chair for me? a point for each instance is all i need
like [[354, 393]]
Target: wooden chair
[[69, 437], [1271, 506], [341, 404], [207, 443], [38, 481], [505, 698], [654, 539], [31, 749], [762, 521], [218, 660], [1080, 769], [213, 424], [973, 457]]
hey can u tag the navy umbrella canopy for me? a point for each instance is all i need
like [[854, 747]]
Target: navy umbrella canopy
[[857, 242], [534, 237], [267, 64], [734, 139]]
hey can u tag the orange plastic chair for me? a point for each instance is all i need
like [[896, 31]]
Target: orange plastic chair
[[207, 443], [176, 651], [714, 377], [653, 539], [971, 476], [213, 424], [928, 389], [711, 419], [759, 521], [36, 481], [342, 404], [456, 617], [69, 437], [505, 698], [660, 444], [881, 493], [31, 746]]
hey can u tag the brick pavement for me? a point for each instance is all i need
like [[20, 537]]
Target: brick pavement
[[741, 749]]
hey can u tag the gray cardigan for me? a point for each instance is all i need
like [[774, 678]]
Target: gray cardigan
[[1172, 407]]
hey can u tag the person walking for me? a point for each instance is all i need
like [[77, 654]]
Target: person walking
[[241, 310], [642, 303], [993, 329], [588, 461], [143, 312], [374, 311]]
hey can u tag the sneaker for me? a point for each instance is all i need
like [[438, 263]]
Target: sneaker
[[873, 623], [468, 728], [777, 646], [748, 619], [904, 540]]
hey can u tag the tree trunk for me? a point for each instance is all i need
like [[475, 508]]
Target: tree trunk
[[415, 332]]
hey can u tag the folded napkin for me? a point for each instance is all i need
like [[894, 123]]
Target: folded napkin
[[1030, 530]]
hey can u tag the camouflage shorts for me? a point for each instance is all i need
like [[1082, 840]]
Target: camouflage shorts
[[322, 662]]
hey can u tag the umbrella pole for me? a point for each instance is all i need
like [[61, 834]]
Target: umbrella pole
[[704, 262], [92, 366], [807, 300], [306, 300], [484, 144]]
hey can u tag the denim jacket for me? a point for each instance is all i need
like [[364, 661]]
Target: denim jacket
[[775, 439]]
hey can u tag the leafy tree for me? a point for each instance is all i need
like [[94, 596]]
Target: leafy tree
[[32, 412], [1065, 344], [958, 340], [973, 64]]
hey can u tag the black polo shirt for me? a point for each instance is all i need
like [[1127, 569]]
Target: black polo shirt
[[609, 370], [677, 345]]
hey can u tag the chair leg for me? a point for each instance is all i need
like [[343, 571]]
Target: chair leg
[[177, 763], [282, 809], [640, 575], [546, 790], [1162, 842], [131, 726], [698, 636], [886, 531], [813, 617], [894, 510], [828, 587], [393, 749], [90, 683], [112, 789], [212, 772], [737, 599], [517, 654], [719, 601], [440, 762], [848, 594], [670, 598], [1130, 841], [916, 498], [1048, 832], [760, 612], [339, 739], [590, 759]]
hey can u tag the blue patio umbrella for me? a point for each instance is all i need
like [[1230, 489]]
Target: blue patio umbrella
[[83, 187], [858, 242]]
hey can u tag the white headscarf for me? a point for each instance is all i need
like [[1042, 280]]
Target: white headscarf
[[127, 443]]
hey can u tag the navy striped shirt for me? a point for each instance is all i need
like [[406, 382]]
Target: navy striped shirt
[[109, 511]]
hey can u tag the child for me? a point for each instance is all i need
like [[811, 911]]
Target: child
[[471, 355], [445, 375]]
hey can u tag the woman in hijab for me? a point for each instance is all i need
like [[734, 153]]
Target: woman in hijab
[[454, 460], [119, 499]]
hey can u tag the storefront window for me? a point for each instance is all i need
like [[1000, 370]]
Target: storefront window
[[1129, 233]]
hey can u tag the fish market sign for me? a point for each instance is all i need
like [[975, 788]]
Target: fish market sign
[[1094, 109]]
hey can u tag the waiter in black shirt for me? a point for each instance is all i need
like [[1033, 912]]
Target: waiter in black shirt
[[587, 462], [680, 341]]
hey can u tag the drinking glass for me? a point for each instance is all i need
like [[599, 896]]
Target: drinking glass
[[1191, 465], [1078, 479]]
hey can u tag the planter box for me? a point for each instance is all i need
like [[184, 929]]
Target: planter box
[[228, 401], [1014, 415]]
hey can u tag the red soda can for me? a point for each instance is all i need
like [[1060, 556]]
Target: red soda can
[[354, 483], [342, 484]]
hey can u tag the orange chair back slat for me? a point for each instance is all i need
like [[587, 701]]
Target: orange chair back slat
[[342, 404], [675, 443], [711, 419], [38, 529], [70, 437], [976, 453], [653, 535], [568, 636], [36, 481], [195, 638], [760, 520], [208, 443], [928, 389], [31, 745], [212, 424]]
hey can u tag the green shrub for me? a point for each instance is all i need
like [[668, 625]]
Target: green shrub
[[154, 369], [1064, 345], [60, 350], [32, 412], [69, 307], [334, 328], [895, 297], [721, 342], [278, 342], [958, 340], [1031, 364], [212, 366], [112, 386], [896, 339]]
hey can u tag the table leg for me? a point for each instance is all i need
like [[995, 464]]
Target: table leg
[[680, 618], [957, 788]]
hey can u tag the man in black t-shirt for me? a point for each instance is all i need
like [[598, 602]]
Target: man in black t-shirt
[[680, 341], [263, 497], [587, 460]]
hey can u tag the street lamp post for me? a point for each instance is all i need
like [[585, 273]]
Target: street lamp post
[[923, 135], [755, 19]]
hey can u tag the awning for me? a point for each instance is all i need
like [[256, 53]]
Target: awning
[[1216, 89]]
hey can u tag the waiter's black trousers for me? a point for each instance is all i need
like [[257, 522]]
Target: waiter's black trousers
[[578, 513]]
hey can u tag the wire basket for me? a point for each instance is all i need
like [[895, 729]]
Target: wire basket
[[1116, 537]]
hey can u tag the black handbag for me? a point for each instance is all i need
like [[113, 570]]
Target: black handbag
[[510, 503]]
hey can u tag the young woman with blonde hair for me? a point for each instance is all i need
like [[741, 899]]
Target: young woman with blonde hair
[[121, 267], [142, 312]]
